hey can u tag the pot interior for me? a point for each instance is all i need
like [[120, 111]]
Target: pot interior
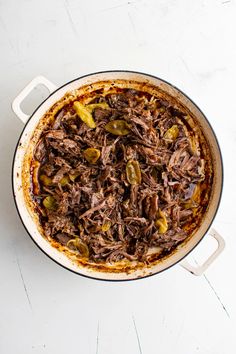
[[31, 133]]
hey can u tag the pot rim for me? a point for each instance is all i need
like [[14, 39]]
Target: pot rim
[[221, 186]]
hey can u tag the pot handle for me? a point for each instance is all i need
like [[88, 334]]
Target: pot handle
[[16, 104], [201, 268]]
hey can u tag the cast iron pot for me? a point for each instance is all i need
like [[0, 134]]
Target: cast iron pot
[[25, 147]]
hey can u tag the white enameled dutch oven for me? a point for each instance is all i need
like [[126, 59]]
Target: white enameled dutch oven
[[25, 147]]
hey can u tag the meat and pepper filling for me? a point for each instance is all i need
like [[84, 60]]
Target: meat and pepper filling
[[122, 177]]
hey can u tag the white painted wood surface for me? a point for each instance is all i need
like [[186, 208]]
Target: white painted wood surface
[[46, 309]]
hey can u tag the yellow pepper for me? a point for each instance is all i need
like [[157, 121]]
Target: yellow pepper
[[106, 226], [91, 155], [80, 246], [73, 176], [91, 107], [161, 222], [133, 172], [84, 114], [47, 181], [118, 127], [50, 203], [172, 133], [64, 181]]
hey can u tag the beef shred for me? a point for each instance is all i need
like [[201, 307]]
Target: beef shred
[[94, 209]]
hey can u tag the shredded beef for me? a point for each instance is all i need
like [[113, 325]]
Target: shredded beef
[[97, 203]]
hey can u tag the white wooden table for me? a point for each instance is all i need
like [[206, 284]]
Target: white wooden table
[[46, 309]]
